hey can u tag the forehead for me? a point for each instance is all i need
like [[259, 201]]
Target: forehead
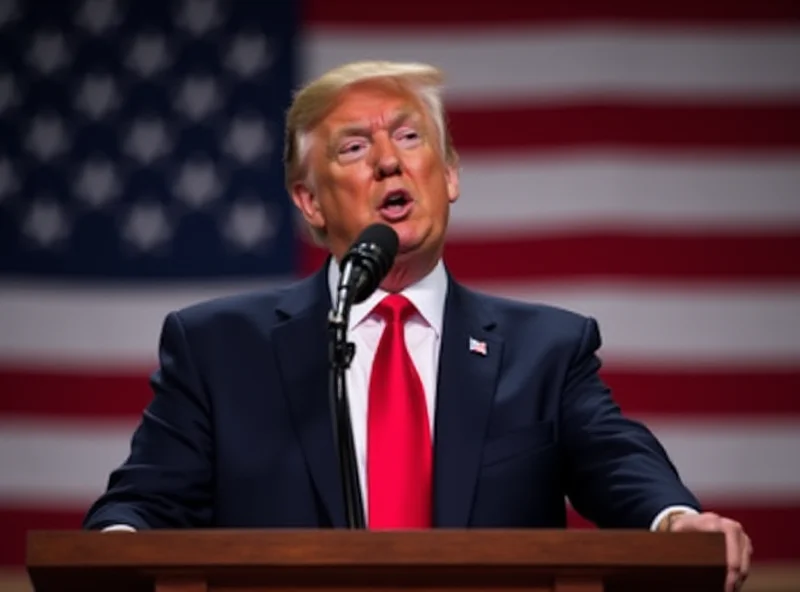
[[371, 104]]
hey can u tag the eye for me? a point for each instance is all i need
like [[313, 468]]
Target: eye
[[407, 136], [352, 149]]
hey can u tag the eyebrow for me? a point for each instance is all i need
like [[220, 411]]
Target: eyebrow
[[364, 130]]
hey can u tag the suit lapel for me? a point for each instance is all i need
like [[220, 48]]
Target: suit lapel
[[465, 391], [301, 347]]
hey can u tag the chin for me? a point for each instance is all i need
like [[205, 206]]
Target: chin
[[407, 249], [410, 238], [411, 255]]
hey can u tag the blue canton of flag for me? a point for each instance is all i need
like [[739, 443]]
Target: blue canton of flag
[[143, 139]]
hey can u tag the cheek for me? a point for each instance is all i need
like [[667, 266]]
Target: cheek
[[351, 183], [424, 170], [345, 202], [436, 187]]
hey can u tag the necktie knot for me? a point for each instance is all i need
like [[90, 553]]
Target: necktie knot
[[395, 308]]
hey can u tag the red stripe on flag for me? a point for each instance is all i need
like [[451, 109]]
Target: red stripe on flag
[[772, 529], [707, 393], [667, 126], [768, 392], [684, 257], [16, 522], [89, 395], [700, 257], [423, 12]]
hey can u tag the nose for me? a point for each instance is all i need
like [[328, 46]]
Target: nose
[[387, 164]]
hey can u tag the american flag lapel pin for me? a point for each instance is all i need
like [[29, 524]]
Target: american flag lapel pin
[[478, 347]]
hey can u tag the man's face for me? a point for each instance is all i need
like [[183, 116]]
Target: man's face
[[376, 158]]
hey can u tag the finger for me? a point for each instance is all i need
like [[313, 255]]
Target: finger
[[734, 545], [734, 551], [747, 553], [732, 582]]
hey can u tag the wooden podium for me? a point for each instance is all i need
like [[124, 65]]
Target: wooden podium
[[338, 560]]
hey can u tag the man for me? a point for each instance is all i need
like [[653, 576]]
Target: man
[[467, 410]]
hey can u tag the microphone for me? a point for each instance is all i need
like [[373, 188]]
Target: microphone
[[363, 268], [366, 263]]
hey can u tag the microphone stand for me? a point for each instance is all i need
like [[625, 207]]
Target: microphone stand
[[341, 355]]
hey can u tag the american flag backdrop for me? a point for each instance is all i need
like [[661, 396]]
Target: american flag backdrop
[[635, 161]]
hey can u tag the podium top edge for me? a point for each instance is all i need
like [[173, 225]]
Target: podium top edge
[[286, 547]]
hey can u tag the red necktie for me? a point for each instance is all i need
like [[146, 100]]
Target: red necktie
[[398, 434]]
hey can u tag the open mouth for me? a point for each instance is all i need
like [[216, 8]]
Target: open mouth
[[396, 205]]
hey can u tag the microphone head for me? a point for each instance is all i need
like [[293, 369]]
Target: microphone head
[[382, 236], [372, 255]]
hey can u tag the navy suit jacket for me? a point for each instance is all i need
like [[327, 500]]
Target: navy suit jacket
[[238, 433]]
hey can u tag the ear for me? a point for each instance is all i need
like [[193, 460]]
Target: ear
[[453, 183], [306, 201]]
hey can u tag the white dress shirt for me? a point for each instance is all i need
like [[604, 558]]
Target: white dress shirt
[[423, 334]]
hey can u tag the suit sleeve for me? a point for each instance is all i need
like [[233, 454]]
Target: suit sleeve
[[618, 474], [166, 481]]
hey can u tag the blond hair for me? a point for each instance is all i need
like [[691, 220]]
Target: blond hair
[[311, 104]]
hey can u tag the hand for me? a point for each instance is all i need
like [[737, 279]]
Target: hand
[[738, 546]]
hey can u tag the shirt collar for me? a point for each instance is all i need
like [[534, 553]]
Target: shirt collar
[[427, 295]]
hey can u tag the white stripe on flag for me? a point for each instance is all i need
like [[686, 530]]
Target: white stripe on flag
[[96, 325], [651, 323], [68, 462], [59, 463], [504, 64], [545, 194], [752, 460], [664, 324]]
